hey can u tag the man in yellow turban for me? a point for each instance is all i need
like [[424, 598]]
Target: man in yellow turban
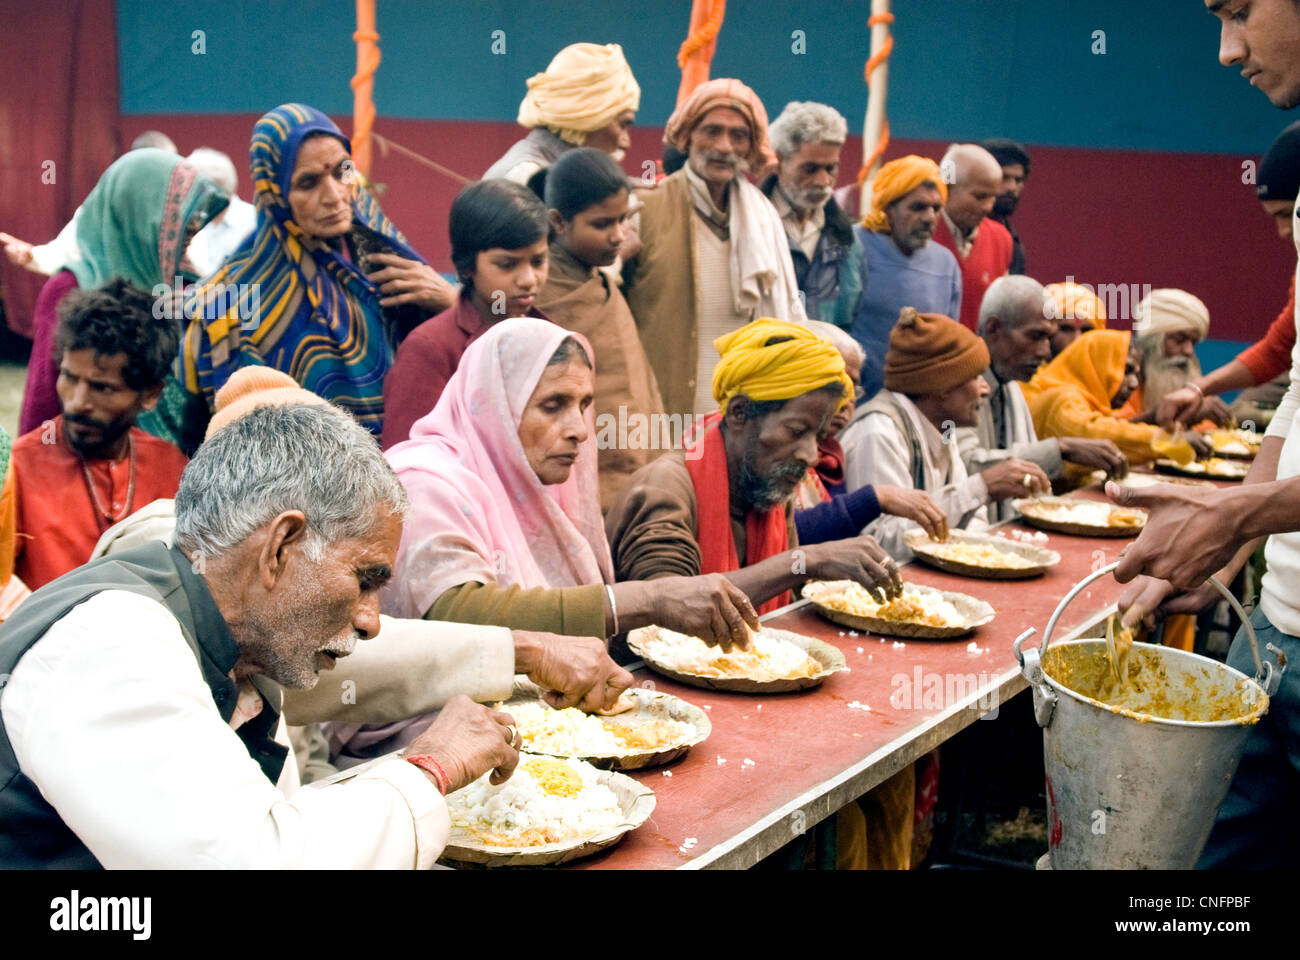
[[905, 267], [1076, 308], [714, 252], [586, 97]]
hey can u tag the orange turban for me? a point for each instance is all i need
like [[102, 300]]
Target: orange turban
[[723, 92], [1076, 301], [897, 179]]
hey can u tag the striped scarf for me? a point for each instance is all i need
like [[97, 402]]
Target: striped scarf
[[319, 318]]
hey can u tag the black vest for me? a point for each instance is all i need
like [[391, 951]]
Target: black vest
[[31, 832]]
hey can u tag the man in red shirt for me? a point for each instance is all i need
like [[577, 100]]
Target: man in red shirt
[[90, 467], [982, 246]]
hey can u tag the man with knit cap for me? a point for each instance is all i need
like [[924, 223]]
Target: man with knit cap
[[906, 434], [1075, 308], [586, 97], [905, 267], [1167, 326], [140, 725], [714, 252], [983, 246]]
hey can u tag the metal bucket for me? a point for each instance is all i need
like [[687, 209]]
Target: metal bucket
[[1133, 791]]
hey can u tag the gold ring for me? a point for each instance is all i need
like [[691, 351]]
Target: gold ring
[[511, 734], [1028, 481]]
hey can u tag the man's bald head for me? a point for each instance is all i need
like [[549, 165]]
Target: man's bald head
[[974, 177]]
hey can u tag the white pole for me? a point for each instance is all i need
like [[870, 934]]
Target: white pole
[[874, 123]]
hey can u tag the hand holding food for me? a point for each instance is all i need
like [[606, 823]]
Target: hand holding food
[[1098, 454], [859, 559], [468, 740], [1187, 535], [710, 607], [1016, 478], [575, 671]]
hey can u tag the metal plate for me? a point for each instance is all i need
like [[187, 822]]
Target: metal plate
[[829, 656], [651, 705], [977, 613], [1041, 557]]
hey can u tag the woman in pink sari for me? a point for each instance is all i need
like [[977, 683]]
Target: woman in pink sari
[[505, 526]]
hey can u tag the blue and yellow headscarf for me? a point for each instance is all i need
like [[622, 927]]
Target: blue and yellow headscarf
[[319, 318]]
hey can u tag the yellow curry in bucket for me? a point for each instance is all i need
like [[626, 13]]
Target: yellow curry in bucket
[[1150, 690]]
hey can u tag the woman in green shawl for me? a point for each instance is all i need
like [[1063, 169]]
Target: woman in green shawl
[[136, 224]]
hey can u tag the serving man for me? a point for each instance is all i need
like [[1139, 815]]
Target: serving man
[[1191, 533], [1168, 326], [934, 381], [586, 97], [829, 262], [1018, 337], [714, 254], [983, 246], [905, 267], [142, 685]]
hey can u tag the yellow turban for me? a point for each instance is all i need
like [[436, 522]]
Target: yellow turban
[[1076, 301], [762, 370], [897, 179], [583, 89]]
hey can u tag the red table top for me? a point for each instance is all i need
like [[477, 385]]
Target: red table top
[[776, 764]]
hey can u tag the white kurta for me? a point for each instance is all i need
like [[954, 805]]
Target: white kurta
[[877, 452], [109, 715]]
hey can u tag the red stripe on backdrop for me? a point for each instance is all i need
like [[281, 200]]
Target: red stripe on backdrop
[[1103, 216]]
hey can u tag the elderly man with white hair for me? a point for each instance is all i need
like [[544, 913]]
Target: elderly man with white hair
[[140, 725], [1018, 334], [983, 246], [227, 230], [829, 261], [1167, 326]]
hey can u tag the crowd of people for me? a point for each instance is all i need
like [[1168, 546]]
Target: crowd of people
[[254, 435]]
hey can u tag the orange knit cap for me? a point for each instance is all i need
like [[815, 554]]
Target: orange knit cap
[[250, 387], [931, 353]]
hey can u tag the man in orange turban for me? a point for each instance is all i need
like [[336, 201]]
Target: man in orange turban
[[934, 381], [905, 267], [1076, 310], [714, 252]]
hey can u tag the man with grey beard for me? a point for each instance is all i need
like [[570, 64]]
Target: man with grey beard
[[1168, 325], [714, 254], [829, 262]]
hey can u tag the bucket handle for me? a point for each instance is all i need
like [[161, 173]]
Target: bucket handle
[[1265, 676]]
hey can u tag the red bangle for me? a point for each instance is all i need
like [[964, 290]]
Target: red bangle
[[430, 765]]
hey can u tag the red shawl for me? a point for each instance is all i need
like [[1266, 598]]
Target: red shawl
[[766, 533]]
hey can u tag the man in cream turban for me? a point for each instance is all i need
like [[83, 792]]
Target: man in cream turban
[[906, 434], [905, 267], [586, 97], [1167, 326], [714, 253]]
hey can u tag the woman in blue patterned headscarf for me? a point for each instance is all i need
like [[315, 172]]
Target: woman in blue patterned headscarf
[[295, 295]]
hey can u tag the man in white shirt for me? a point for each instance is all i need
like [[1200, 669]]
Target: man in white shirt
[[138, 724], [906, 434], [223, 234], [1192, 533], [1018, 333]]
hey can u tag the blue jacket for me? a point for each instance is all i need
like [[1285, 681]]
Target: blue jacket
[[833, 282]]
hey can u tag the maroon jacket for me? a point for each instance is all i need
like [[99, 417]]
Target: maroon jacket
[[425, 361]]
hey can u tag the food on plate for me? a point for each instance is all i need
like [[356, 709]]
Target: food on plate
[[547, 800], [1089, 513], [922, 607], [570, 732], [1234, 443], [978, 555], [768, 657], [1210, 467]]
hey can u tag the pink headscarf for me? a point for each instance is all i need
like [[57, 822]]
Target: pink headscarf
[[478, 511]]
